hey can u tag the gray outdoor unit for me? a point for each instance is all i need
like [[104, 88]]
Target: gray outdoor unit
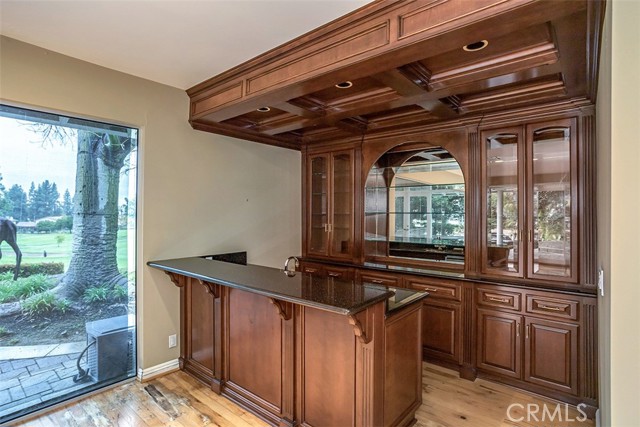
[[111, 355]]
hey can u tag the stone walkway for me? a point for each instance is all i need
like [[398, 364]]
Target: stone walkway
[[32, 375]]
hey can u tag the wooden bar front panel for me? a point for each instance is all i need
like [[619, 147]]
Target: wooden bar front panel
[[254, 350], [198, 331], [403, 366], [327, 343]]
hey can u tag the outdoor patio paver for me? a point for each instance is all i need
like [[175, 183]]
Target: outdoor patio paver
[[22, 363], [6, 385], [17, 393], [5, 376], [30, 382], [5, 397], [44, 362], [36, 389]]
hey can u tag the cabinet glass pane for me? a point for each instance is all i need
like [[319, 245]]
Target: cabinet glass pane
[[552, 201], [342, 205], [375, 216], [319, 205], [502, 202]]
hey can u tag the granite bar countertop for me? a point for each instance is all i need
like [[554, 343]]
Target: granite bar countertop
[[338, 296]]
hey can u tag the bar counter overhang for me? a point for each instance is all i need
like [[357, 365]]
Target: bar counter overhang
[[300, 350]]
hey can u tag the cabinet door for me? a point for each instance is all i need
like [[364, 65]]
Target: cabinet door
[[341, 220], [551, 354], [502, 213], [499, 348], [441, 331], [552, 207], [318, 237]]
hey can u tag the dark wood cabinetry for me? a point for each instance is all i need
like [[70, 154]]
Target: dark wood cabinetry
[[537, 344], [441, 319], [530, 202], [330, 205]]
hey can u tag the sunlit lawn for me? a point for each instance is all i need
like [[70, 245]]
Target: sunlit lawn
[[33, 247]]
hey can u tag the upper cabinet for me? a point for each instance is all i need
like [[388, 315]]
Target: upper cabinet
[[414, 209], [530, 202], [330, 209]]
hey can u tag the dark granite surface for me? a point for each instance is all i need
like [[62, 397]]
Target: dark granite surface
[[389, 268], [344, 297]]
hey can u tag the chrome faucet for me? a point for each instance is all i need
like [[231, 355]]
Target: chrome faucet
[[286, 264]]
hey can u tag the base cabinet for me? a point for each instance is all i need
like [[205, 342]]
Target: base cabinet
[[541, 341], [441, 331], [499, 344], [551, 354], [441, 319]]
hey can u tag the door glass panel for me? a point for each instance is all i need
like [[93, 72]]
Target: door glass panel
[[319, 205], [552, 201], [342, 209], [502, 202]]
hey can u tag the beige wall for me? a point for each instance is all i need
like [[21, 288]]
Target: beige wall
[[619, 223], [198, 193]]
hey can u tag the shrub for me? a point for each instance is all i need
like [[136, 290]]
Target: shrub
[[24, 287], [44, 303], [119, 293], [3, 331], [26, 270], [96, 294]]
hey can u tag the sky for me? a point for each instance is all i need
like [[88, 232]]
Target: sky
[[23, 158]]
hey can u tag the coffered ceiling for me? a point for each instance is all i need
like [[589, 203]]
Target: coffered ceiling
[[407, 64]]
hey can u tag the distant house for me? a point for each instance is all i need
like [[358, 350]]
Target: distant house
[[26, 226]]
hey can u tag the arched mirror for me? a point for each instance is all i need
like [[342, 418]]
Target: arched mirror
[[415, 208]]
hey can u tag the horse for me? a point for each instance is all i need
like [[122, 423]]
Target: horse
[[8, 233]]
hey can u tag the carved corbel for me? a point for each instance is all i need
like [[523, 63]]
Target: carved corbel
[[358, 329], [175, 278], [283, 309], [212, 288]]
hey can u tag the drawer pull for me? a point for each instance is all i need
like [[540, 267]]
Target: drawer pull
[[334, 274], [518, 329], [431, 289], [310, 270], [378, 281], [549, 307], [503, 300]]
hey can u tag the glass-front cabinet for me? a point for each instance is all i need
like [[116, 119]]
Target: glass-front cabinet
[[414, 208], [530, 201], [331, 217]]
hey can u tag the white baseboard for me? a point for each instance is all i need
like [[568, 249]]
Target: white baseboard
[[155, 371], [598, 422]]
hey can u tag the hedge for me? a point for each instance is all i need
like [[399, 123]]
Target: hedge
[[26, 270]]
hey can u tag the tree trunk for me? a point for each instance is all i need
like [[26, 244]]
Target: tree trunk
[[95, 215]]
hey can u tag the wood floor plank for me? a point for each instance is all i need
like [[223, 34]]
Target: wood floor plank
[[179, 400]]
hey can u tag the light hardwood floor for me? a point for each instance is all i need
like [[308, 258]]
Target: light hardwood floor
[[179, 400]]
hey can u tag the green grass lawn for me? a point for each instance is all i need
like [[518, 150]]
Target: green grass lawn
[[33, 247]]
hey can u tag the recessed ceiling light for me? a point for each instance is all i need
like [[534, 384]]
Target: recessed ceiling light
[[264, 109], [473, 47], [344, 85]]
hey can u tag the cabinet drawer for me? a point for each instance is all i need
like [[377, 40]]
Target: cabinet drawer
[[498, 298], [314, 269], [441, 289], [553, 307], [380, 279], [343, 273]]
